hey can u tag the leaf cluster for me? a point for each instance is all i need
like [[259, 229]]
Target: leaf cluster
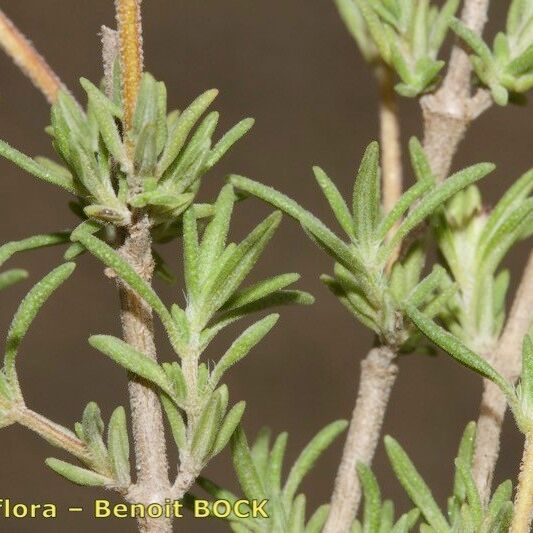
[[507, 68], [474, 239], [465, 512], [259, 469], [156, 166], [378, 515], [519, 397], [405, 34], [214, 270], [363, 278], [109, 462]]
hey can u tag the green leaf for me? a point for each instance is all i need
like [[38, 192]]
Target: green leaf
[[230, 423], [366, 194], [442, 23], [419, 161], [228, 140], [27, 311], [372, 495], [297, 515], [103, 111], [181, 129], [472, 39], [190, 253], [472, 494], [465, 454], [31, 243], [259, 290], [113, 260], [310, 454], [335, 200], [454, 347], [79, 476], [406, 200], [242, 346], [317, 520], [234, 266], [275, 463], [325, 237], [214, 238], [436, 198], [415, 486], [93, 428], [119, 446], [249, 480], [132, 360], [10, 277], [35, 169], [175, 420], [208, 426], [501, 496]]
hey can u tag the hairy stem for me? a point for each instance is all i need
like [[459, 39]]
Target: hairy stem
[[391, 151], [523, 504], [147, 420], [52, 433], [378, 374], [128, 14], [448, 112], [31, 63], [506, 359]]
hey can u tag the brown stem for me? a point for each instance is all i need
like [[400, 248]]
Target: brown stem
[[523, 504], [52, 433], [506, 359], [152, 483], [448, 112], [391, 152], [378, 374], [25, 56], [128, 14]]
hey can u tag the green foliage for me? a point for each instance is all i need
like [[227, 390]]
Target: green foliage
[[259, 470], [507, 69], [157, 168], [520, 398], [108, 464], [474, 239], [464, 513], [378, 515], [195, 403], [406, 35], [368, 279]]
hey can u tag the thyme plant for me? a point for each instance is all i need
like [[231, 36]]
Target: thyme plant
[[134, 169]]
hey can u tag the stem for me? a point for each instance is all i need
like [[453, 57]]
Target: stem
[[128, 15], [523, 504], [378, 374], [147, 419], [448, 112], [52, 433], [25, 56], [506, 359], [391, 152]]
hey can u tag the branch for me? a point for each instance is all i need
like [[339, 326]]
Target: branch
[[391, 152], [523, 504], [506, 360], [52, 433], [378, 374], [26, 57], [128, 15], [152, 484], [449, 111]]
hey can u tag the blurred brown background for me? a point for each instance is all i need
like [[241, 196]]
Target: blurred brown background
[[292, 66]]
